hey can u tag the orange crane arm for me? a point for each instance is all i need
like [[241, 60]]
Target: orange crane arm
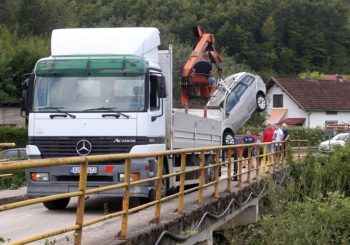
[[190, 83]]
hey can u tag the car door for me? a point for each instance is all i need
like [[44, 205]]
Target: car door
[[249, 96], [235, 110]]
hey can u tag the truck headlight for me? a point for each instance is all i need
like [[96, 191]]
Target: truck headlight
[[40, 177], [133, 177]]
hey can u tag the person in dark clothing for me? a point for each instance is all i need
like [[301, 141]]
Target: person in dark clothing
[[285, 132], [248, 139], [204, 67]]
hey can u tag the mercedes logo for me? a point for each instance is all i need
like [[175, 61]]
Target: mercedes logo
[[83, 147]]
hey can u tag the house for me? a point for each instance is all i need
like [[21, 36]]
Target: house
[[10, 114], [308, 103]]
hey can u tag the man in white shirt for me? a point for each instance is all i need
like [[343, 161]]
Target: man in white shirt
[[278, 138]]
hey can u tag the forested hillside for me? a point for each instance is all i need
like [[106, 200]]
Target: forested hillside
[[266, 36]]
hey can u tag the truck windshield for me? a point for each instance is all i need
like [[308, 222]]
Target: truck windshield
[[76, 94]]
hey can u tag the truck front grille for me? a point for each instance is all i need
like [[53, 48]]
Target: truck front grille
[[66, 146]]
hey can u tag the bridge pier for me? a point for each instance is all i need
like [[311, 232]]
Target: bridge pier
[[244, 215]]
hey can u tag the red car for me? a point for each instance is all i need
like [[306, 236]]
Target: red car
[[239, 141]]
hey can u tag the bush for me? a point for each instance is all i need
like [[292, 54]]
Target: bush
[[311, 207], [322, 220], [14, 135], [19, 136], [313, 135]]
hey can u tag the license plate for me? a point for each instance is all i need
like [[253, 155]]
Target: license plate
[[76, 170]]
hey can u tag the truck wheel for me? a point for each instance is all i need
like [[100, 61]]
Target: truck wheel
[[260, 102], [57, 204], [152, 196]]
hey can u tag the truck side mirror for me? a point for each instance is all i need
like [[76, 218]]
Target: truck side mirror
[[161, 87], [28, 78]]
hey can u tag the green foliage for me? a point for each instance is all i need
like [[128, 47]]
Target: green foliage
[[268, 36], [313, 75], [321, 220], [311, 207], [254, 124], [12, 182], [19, 136], [313, 135], [18, 56]]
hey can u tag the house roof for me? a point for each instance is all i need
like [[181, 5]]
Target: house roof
[[322, 95], [294, 121]]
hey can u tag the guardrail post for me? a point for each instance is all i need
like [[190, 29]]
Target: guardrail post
[[249, 163], [216, 184], [201, 178], [264, 159], [284, 152], [229, 170], [81, 202], [240, 175], [289, 153], [159, 188], [124, 229], [180, 207], [274, 156], [257, 161]]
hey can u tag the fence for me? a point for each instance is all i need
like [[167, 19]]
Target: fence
[[265, 161]]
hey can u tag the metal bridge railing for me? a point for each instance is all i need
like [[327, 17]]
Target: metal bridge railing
[[265, 162], [6, 145]]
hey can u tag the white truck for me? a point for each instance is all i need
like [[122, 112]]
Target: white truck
[[108, 90]]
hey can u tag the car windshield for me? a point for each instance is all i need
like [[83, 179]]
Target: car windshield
[[76, 94], [13, 154], [341, 137]]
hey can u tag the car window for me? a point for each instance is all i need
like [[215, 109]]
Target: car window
[[340, 137], [232, 101], [14, 154], [247, 80], [239, 90]]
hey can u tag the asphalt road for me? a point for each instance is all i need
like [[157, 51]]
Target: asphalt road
[[31, 220]]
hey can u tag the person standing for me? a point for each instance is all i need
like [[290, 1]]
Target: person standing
[[285, 138], [285, 132], [267, 138], [277, 139]]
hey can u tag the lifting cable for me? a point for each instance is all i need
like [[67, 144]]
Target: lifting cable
[[214, 216]]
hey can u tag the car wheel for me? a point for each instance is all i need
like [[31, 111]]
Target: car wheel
[[260, 102], [228, 138], [57, 204]]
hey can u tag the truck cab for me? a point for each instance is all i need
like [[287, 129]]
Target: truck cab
[[93, 96]]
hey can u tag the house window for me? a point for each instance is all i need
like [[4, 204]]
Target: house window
[[331, 113], [278, 100]]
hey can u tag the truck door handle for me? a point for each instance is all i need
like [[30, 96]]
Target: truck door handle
[[57, 115], [111, 115]]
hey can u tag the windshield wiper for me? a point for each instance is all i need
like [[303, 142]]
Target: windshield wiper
[[57, 108], [107, 109], [102, 109]]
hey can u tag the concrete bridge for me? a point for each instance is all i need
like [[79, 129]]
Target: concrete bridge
[[188, 216]]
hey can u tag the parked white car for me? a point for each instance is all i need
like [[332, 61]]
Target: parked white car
[[339, 139]]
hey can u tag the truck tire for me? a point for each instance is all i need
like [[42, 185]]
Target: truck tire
[[152, 196], [57, 204], [260, 102]]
